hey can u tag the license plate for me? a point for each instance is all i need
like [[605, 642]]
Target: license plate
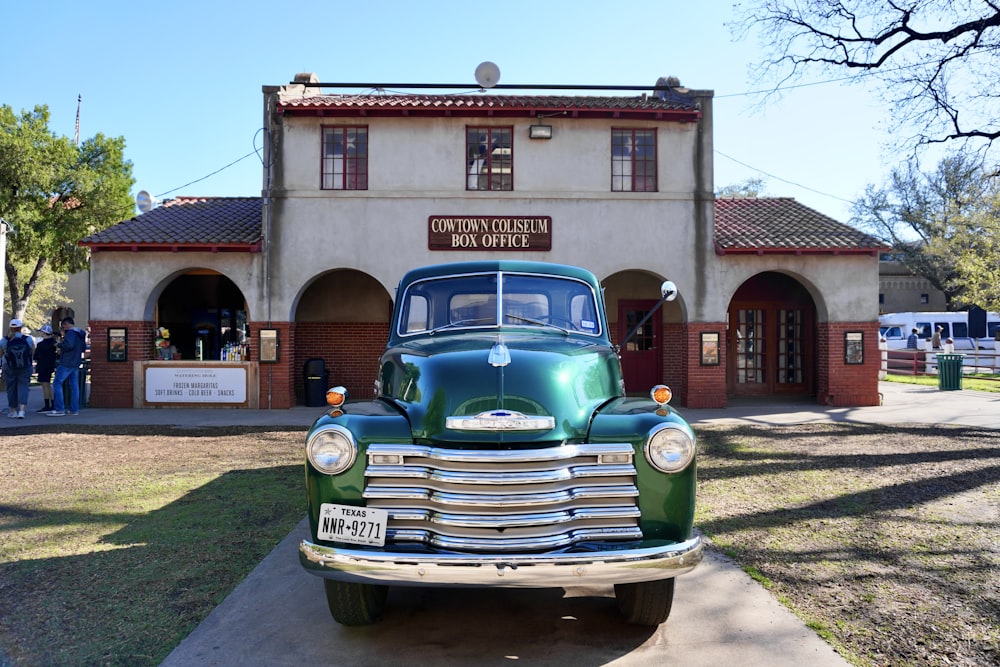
[[354, 525]]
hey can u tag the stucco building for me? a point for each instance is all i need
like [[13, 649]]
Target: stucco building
[[775, 298]]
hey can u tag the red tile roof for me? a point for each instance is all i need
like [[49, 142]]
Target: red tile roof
[[784, 226], [213, 224], [675, 107], [218, 224]]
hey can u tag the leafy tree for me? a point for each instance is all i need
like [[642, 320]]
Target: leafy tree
[[934, 61], [52, 194], [751, 187], [925, 217], [978, 264]]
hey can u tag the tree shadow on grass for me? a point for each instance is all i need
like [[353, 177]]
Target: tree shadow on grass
[[150, 580], [853, 511]]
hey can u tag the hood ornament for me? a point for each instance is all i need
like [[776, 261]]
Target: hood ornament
[[499, 354]]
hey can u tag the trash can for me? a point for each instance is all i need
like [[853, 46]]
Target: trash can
[[82, 376], [950, 371], [316, 382]]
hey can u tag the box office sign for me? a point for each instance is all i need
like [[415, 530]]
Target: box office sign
[[195, 384], [489, 232]]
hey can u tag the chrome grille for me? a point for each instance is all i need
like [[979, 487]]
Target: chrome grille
[[504, 501]]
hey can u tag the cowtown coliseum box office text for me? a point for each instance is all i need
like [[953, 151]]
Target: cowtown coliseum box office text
[[356, 189]]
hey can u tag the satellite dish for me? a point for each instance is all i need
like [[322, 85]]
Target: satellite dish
[[487, 74], [145, 201]]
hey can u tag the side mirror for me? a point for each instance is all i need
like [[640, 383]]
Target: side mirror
[[668, 290]]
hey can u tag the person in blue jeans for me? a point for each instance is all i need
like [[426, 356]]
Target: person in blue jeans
[[71, 349], [16, 350]]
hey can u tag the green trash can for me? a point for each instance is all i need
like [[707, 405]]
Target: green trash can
[[950, 371]]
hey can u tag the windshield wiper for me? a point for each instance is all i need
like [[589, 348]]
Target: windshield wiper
[[462, 323], [537, 322]]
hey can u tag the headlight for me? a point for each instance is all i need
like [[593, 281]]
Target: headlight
[[331, 449], [669, 448]]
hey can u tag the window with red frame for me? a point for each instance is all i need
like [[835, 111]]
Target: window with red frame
[[633, 160], [489, 158], [345, 158]]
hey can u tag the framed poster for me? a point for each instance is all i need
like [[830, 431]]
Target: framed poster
[[854, 347], [709, 348], [268, 345], [118, 344]]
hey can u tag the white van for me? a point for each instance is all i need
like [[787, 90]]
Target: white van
[[896, 327]]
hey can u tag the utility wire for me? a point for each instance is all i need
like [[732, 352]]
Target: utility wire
[[783, 180], [198, 180]]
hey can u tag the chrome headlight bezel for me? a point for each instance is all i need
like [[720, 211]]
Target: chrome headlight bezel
[[332, 449], [669, 448]]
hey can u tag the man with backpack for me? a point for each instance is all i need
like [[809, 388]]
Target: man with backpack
[[18, 351], [71, 349]]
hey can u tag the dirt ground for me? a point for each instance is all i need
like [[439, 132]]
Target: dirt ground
[[886, 540]]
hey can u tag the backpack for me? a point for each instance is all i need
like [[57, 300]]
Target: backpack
[[18, 354]]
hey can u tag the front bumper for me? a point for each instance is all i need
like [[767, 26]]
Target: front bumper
[[509, 571]]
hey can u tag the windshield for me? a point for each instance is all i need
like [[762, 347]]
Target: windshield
[[499, 300]]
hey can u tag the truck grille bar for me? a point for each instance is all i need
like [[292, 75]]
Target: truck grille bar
[[504, 501]]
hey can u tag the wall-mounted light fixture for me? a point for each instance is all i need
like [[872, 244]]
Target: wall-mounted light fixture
[[540, 132]]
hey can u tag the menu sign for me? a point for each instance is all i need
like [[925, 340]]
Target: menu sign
[[192, 384], [489, 232]]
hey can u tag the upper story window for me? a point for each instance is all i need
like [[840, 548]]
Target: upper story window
[[633, 160], [489, 158], [345, 158]]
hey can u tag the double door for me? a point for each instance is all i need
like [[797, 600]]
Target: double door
[[771, 350]]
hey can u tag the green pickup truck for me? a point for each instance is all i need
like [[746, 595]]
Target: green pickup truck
[[500, 449]]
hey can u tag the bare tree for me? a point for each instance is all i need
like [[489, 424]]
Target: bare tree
[[935, 62]]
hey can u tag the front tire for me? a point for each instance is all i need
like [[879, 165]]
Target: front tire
[[647, 602], [355, 604]]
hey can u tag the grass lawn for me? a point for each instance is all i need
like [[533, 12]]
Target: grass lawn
[[975, 382]]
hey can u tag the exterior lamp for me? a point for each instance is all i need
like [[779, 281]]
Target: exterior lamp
[[540, 132]]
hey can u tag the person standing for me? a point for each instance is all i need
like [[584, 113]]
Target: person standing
[[17, 351], [71, 349], [936, 338], [911, 340], [45, 364]]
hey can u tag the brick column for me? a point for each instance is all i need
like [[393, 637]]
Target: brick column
[[705, 386], [277, 380], [837, 382], [111, 382]]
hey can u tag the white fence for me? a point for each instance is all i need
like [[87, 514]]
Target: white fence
[[924, 361]]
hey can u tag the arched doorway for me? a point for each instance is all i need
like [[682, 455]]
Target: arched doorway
[[772, 338], [342, 317], [654, 354], [206, 314]]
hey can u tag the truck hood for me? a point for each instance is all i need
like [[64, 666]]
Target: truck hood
[[504, 389]]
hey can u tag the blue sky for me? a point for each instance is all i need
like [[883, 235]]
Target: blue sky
[[181, 81]]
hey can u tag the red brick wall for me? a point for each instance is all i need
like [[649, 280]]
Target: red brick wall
[[111, 382], [350, 350], [841, 384], [706, 385]]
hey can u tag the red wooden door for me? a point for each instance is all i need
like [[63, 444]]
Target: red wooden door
[[642, 356]]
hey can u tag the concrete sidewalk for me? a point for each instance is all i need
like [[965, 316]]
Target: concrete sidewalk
[[902, 404]]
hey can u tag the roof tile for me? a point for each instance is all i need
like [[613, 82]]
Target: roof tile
[[783, 225], [188, 221], [391, 101], [762, 225]]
